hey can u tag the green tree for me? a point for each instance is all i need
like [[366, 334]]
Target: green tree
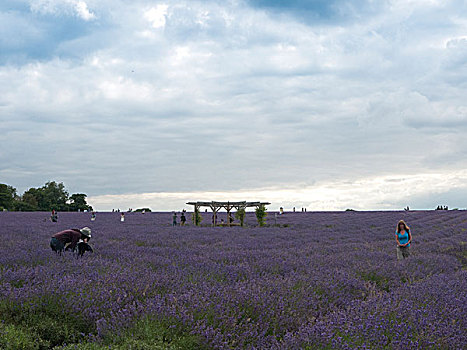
[[50, 196], [261, 214], [7, 196], [240, 215], [78, 202], [29, 201], [54, 196]]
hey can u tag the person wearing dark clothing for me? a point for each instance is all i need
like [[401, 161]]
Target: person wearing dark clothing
[[183, 218], [70, 237]]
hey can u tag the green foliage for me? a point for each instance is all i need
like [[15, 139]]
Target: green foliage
[[147, 334], [50, 196], [147, 210], [240, 215], [29, 201], [7, 196], [20, 205], [78, 202], [196, 218], [40, 324], [13, 337], [261, 214], [53, 196], [151, 333], [45, 324]]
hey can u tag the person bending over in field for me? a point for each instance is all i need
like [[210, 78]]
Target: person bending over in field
[[70, 238], [403, 239]]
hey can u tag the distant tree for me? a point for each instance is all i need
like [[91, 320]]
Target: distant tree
[[29, 201], [54, 196], [146, 210], [50, 196], [20, 205], [7, 196], [77, 202], [240, 215], [261, 214]]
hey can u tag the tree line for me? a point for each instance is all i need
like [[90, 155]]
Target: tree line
[[51, 196]]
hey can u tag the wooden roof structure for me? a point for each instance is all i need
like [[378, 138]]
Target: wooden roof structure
[[228, 206]]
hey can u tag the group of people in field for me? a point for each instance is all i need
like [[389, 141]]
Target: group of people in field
[[442, 207], [182, 218], [75, 238]]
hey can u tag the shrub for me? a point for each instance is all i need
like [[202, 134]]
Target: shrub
[[38, 321], [261, 214], [196, 218], [240, 215]]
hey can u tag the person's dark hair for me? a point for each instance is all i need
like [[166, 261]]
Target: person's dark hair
[[406, 228]]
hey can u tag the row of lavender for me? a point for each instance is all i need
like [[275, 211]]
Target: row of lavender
[[327, 280]]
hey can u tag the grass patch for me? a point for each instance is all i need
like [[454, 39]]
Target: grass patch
[[381, 282], [40, 324], [43, 324], [153, 334]]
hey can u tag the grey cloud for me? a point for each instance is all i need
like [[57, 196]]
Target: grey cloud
[[245, 101]]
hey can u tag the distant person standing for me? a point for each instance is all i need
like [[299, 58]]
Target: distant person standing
[[54, 216], [174, 219], [183, 218], [403, 239], [93, 216], [122, 217]]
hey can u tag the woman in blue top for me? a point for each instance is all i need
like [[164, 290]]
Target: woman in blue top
[[403, 239]]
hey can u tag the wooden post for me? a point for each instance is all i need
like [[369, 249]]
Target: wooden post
[[195, 214], [214, 214], [228, 213]]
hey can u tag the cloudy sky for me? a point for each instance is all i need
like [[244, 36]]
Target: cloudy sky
[[328, 104]]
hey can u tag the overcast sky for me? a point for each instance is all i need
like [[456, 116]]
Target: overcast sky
[[328, 104]]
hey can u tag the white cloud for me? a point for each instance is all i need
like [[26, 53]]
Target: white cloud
[[384, 192], [157, 15], [83, 11], [78, 8]]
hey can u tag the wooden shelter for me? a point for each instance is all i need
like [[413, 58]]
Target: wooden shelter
[[228, 206]]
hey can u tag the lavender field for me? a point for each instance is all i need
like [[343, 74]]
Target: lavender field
[[319, 281]]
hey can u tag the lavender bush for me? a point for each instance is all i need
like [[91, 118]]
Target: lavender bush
[[327, 281]]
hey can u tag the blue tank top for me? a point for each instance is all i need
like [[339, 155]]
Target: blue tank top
[[403, 238]]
